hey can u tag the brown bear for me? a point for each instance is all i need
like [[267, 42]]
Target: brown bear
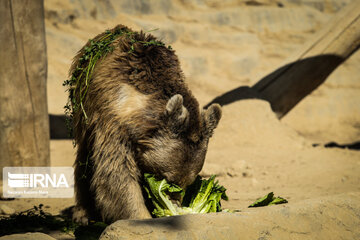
[[140, 118]]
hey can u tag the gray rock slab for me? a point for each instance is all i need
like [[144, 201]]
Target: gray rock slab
[[334, 217]]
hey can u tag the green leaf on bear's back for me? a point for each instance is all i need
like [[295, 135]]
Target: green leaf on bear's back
[[267, 200]]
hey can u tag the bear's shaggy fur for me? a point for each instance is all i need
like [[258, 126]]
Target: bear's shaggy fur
[[141, 118]]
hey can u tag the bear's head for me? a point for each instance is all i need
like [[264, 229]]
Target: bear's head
[[173, 151]]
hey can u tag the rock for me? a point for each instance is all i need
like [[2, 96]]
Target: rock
[[27, 236], [4, 209], [335, 217]]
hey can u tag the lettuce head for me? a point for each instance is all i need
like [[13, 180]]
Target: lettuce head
[[203, 196]]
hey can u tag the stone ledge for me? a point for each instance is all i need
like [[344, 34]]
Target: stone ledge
[[334, 217]]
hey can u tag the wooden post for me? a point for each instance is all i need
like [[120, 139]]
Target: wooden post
[[24, 121], [309, 67]]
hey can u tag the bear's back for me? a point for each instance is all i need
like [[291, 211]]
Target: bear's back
[[139, 72]]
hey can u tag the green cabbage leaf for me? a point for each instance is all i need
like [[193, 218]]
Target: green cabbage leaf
[[203, 196]]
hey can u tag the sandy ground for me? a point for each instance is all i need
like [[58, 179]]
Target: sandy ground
[[221, 47]]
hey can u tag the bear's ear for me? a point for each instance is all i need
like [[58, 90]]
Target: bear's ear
[[177, 115], [211, 117]]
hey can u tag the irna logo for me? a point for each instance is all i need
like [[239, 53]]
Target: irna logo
[[36, 180]]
